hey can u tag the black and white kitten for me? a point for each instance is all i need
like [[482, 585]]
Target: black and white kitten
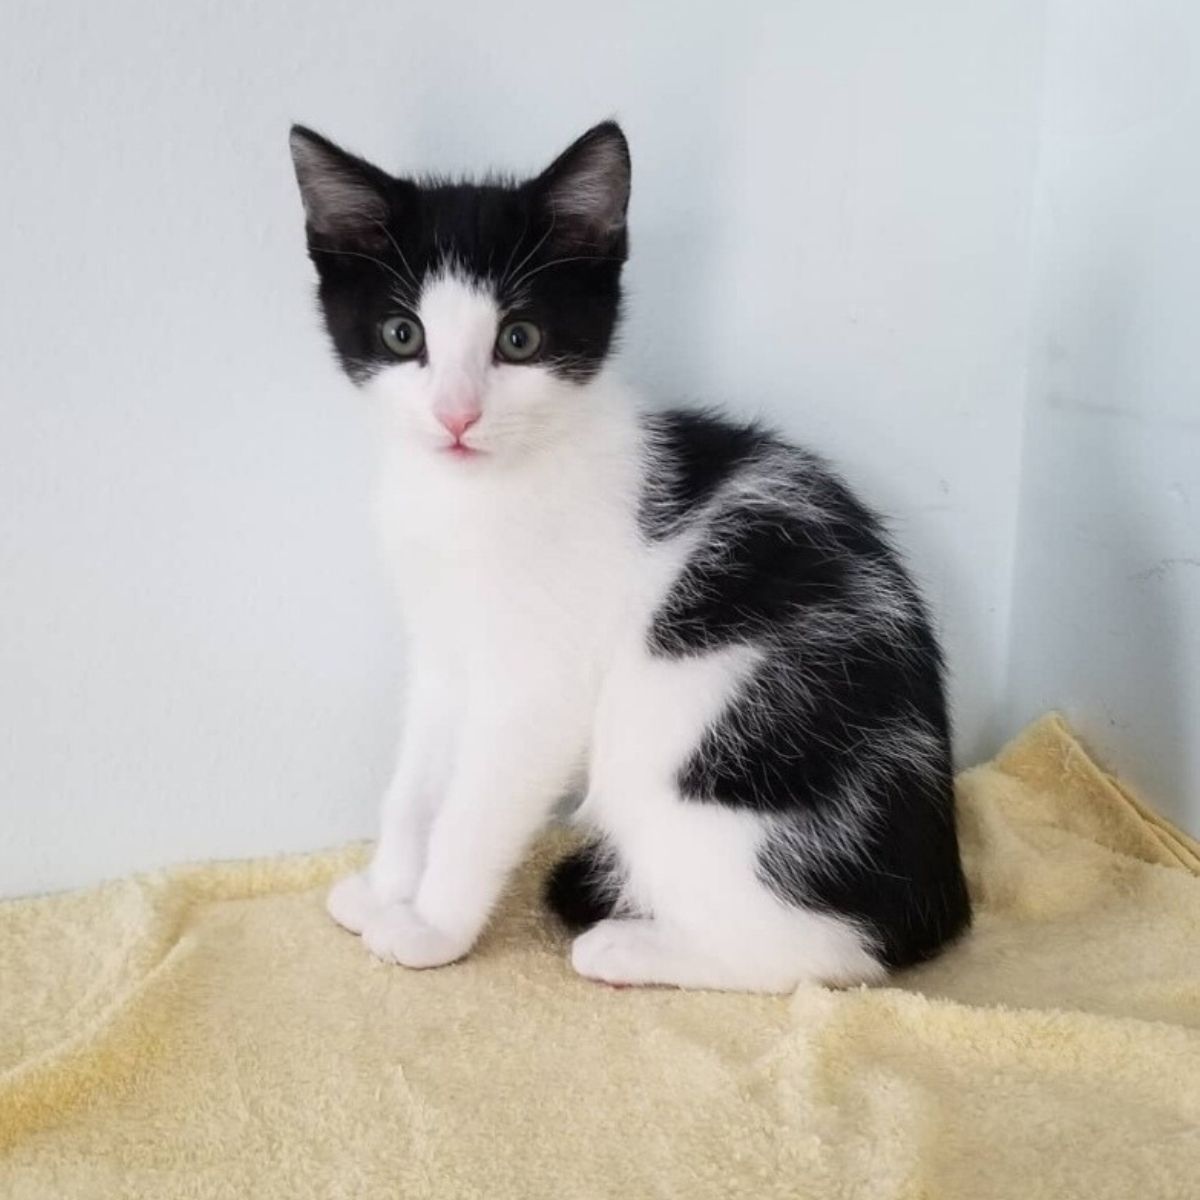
[[698, 617]]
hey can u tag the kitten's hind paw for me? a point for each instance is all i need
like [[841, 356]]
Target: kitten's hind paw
[[619, 952], [397, 933], [351, 902]]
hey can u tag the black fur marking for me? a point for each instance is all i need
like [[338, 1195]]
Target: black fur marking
[[699, 451], [840, 737], [556, 269], [905, 887], [581, 889]]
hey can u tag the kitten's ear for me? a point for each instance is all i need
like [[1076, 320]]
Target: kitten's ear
[[586, 188], [345, 197]]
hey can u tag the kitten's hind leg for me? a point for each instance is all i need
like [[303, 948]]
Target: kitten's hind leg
[[690, 863], [640, 951], [634, 951]]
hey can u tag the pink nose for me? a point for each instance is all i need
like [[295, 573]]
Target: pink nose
[[457, 423]]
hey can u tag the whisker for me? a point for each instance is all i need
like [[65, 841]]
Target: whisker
[[558, 262], [406, 298], [512, 253], [367, 257], [536, 248], [387, 233]]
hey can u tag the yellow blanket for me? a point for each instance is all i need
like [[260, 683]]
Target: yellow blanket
[[207, 1032]]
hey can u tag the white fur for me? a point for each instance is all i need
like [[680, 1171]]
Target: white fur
[[526, 591]]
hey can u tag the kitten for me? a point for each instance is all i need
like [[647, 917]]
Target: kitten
[[696, 616]]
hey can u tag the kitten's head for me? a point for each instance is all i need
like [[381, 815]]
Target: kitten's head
[[474, 313]]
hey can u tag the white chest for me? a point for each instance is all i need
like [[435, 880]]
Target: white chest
[[537, 569]]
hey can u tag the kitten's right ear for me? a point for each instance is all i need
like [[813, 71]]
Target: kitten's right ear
[[345, 197], [586, 188]]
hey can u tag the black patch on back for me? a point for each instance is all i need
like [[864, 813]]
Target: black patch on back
[[699, 451], [845, 713]]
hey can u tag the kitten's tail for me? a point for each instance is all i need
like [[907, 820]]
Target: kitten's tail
[[582, 889]]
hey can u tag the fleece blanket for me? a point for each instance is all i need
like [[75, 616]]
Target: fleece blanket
[[207, 1032]]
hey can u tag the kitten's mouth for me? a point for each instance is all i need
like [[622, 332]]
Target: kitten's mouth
[[461, 450]]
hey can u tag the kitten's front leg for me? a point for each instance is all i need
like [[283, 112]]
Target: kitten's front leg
[[511, 768], [418, 781]]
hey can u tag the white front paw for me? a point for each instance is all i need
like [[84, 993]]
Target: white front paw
[[351, 902], [397, 933]]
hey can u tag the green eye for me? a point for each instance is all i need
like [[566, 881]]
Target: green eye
[[403, 336], [519, 341]]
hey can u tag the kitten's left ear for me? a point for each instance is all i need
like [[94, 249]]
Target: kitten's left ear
[[586, 188]]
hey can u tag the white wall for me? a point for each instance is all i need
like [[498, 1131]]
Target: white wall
[[829, 223], [1106, 619]]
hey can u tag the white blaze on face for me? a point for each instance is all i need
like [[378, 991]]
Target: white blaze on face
[[461, 393], [460, 319]]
